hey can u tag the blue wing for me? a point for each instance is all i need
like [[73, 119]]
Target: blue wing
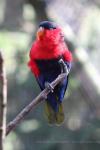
[[53, 105], [59, 90]]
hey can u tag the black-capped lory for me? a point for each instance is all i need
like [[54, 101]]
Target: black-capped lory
[[46, 54]]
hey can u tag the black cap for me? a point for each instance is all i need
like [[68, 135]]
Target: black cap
[[48, 25]]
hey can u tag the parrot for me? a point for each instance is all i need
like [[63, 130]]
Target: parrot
[[49, 56]]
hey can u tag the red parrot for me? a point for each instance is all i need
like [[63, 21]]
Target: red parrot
[[47, 55]]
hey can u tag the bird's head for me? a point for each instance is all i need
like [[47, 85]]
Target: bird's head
[[49, 32]]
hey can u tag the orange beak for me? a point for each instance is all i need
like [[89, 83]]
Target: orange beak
[[40, 33]]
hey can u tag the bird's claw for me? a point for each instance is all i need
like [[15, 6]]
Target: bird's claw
[[64, 68], [61, 62], [49, 86]]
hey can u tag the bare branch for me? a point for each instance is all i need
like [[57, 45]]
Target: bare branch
[[42, 96], [3, 101]]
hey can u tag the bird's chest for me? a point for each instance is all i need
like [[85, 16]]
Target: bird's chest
[[49, 66]]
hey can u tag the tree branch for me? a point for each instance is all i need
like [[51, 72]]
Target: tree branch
[[3, 101], [42, 96]]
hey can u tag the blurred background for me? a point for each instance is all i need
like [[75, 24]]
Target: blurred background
[[80, 21]]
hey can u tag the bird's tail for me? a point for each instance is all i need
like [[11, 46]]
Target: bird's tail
[[54, 117]]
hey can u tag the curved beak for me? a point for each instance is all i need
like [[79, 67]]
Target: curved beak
[[40, 33]]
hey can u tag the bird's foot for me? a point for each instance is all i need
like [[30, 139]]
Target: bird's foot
[[64, 68], [49, 86], [61, 62]]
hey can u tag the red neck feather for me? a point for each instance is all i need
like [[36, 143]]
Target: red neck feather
[[50, 46]]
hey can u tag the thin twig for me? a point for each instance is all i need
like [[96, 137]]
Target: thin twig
[[42, 96]]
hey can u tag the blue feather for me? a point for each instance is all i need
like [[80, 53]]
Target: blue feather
[[50, 69]]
